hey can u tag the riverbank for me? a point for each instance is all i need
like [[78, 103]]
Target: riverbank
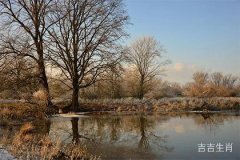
[[29, 143], [12, 112], [18, 137], [162, 105], [19, 111]]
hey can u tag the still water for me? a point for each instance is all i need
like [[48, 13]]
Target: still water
[[152, 136]]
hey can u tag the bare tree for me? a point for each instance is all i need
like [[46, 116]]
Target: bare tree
[[216, 78], [85, 42], [27, 18], [144, 54], [229, 81], [200, 78], [198, 87]]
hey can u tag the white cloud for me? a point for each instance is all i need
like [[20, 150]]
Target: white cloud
[[178, 66], [180, 72]]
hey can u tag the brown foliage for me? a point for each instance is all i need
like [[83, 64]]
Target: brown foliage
[[21, 111], [215, 85]]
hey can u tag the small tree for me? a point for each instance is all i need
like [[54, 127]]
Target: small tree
[[198, 88], [216, 79], [200, 78], [144, 55]]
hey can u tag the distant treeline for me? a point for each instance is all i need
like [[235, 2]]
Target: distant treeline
[[19, 83], [204, 84]]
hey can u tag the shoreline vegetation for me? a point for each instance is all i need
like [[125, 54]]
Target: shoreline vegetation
[[28, 143], [18, 112], [23, 110], [180, 104]]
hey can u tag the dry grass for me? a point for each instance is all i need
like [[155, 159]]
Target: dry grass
[[25, 145], [163, 105], [160, 105], [26, 128], [40, 95], [20, 112]]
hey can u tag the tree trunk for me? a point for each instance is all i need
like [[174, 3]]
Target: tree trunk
[[141, 88], [75, 103], [42, 72], [43, 81]]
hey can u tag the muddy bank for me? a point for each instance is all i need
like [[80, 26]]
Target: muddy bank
[[161, 105]]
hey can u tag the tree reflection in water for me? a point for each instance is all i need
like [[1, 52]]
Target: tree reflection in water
[[115, 129], [211, 121], [131, 131], [75, 133], [118, 134], [144, 142], [148, 137]]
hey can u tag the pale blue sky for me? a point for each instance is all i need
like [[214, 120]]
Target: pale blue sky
[[197, 34]]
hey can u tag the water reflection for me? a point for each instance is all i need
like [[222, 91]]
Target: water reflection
[[144, 142], [211, 122], [75, 133], [141, 136], [133, 133]]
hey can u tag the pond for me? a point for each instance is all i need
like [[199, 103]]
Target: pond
[[152, 136]]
